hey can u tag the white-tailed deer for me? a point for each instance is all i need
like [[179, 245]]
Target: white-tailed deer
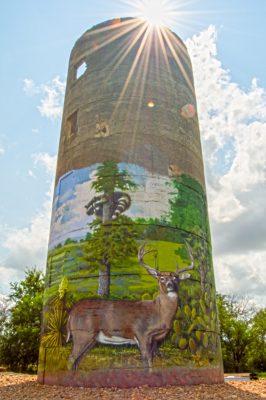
[[144, 323]]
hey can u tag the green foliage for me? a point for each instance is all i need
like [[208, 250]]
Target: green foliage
[[146, 296], [129, 280], [19, 346], [182, 343], [243, 334], [187, 213], [88, 236], [69, 241], [55, 317], [235, 335], [191, 183], [4, 311], [257, 349], [63, 288], [188, 207], [111, 242], [109, 178], [196, 327]]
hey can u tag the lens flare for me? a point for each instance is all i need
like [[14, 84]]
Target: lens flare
[[188, 111], [149, 28], [156, 12]]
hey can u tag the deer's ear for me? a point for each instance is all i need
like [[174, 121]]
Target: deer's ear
[[184, 276]]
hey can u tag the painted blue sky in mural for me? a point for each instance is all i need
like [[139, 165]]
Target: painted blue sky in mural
[[73, 192], [64, 190]]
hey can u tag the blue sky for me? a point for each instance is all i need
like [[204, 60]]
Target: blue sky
[[36, 40]]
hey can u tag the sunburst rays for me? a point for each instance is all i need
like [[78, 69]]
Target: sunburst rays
[[141, 38], [156, 12]]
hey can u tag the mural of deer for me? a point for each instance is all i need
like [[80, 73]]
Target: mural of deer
[[144, 323]]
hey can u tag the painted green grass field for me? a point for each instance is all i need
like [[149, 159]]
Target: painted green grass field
[[127, 357], [128, 280]]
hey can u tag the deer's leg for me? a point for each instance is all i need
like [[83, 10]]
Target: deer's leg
[[154, 348], [156, 339], [82, 342], [145, 346]]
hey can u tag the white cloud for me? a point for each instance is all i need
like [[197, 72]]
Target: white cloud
[[242, 274], [231, 119], [233, 125], [8, 274], [47, 161], [31, 174], [27, 247], [51, 96], [52, 103], [30, 88], [77, 221], [2, 151]]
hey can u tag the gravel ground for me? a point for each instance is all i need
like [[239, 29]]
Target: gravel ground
[[25, 387]]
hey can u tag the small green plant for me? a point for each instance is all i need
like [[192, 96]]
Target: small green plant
[[56, 316], [57, 319], [196, 327]]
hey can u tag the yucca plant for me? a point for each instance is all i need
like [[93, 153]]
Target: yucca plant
[[57, 316], [57, 319]]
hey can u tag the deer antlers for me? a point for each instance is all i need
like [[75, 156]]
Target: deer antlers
[[154, 272]]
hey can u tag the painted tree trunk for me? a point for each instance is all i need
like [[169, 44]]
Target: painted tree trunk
[[104, 281], [104, 274]]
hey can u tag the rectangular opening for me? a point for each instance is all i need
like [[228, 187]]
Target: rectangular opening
[[81, 69]]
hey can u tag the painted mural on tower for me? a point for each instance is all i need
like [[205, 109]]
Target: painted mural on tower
[[134, 247]]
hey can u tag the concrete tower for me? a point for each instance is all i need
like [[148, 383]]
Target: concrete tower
[[130, 293]]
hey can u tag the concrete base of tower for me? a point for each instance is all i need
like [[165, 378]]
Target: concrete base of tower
[[129, 378]]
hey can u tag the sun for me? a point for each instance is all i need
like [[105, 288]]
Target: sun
[[150, 25], [155, 12]]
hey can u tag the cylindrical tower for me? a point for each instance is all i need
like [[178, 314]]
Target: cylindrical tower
[[130, 293]]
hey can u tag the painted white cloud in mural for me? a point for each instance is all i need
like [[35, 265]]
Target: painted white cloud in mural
[[69, 220], [151, 200]]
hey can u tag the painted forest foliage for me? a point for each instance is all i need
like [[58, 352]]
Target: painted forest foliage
[[113, 235]]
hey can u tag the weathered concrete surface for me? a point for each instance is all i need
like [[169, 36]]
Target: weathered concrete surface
[[132, 132], [128, 378]]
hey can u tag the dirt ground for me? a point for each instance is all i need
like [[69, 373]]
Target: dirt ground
[[24, 387]]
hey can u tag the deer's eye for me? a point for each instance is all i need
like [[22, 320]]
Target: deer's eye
[[162, 279], [175, 278]]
